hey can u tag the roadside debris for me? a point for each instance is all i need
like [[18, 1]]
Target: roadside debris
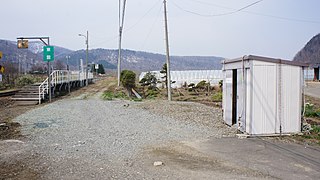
[[158, 163]]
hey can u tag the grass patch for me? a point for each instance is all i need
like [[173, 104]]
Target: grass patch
[[311, 111], [137, 99], [109, 95], [312, 136], [217, 97]]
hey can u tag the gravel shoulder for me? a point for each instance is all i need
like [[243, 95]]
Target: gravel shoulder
[[313, 89], [90, 138]]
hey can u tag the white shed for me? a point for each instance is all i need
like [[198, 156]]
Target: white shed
[[263, 96]]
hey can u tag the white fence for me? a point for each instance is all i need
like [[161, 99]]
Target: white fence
[[192, 76]]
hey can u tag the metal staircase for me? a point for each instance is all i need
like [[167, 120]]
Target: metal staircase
[[28, 95]]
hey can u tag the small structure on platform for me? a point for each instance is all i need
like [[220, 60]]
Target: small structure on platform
[[263, 96]]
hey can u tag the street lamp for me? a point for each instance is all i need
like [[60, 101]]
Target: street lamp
[[87, 43]]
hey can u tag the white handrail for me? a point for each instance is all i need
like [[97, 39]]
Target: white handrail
[[59, 77], [42, 88]]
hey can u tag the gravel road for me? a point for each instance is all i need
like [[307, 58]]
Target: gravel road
[[88, 138], [84, 137], [313, 89]]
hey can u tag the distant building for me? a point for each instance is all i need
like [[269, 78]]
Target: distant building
[[191, 76], [263, 96]]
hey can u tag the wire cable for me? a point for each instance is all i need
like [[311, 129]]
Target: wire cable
[[113, 38], [258, 14], [283, 18], [214, 15], [134, 25], [151, 29], [211, 4]]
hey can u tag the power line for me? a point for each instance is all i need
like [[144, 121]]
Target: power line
[[283, 18], [213, 15], [248, 6], [258, 14], [131, 27], [211, 4], [113, 38], [151, 29]]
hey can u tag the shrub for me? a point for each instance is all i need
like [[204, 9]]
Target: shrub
[[25, 80], [310, 111], [316, 129], [202, 85], [152, 93], [221, 83], [128, 79], [149, 80], [217, 96]]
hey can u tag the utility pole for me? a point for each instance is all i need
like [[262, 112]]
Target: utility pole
[[119, 55], [167, 50], [121, 22], [87, 53]]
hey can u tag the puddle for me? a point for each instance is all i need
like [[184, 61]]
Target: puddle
[[45, 124], [40, 125]]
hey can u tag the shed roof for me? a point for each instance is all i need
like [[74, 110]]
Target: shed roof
[[265, 59]]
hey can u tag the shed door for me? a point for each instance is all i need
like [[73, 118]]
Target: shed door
[[240, 97], [316, 74], [228, 97], [234, 96]]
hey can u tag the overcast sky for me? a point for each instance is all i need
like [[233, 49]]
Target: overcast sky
[[274, 28]]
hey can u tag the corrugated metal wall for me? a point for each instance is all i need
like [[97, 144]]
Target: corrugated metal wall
[[264, 98], [272, 97], [291, 98], [227, 97]]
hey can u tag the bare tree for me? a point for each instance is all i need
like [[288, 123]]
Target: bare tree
[[59, 65]]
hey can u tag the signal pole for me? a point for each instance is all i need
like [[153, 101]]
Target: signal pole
[[25, 46], [167, 50]]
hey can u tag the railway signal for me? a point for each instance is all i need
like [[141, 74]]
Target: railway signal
[[23, 44]]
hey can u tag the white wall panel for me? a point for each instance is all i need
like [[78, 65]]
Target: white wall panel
[[264, 98], [227, 97], [291, 98]]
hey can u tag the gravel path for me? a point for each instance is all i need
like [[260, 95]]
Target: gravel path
[[313, 89], [87, 138]]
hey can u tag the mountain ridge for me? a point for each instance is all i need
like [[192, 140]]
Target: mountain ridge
[[310, 53], [132, 60]]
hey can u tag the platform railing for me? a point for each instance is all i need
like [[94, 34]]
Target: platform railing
[[60, 77]]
